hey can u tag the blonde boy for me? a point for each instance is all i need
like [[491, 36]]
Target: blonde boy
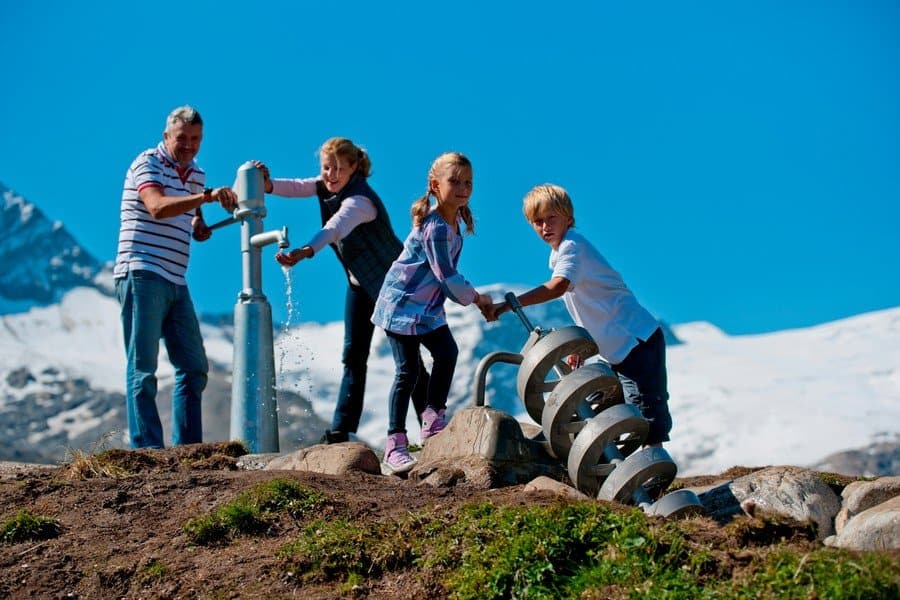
[[628, 336]]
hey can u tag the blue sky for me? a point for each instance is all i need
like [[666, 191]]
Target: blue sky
[[737, 162]]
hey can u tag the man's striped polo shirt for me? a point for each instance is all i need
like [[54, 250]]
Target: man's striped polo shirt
[[158, 245]]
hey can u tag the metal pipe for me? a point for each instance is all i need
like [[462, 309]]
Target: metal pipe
[[271, 237], [224, 222], [484, 364], [254, 411]]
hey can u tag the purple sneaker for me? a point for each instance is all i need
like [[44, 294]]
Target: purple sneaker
[[433, 422], [396, 455]]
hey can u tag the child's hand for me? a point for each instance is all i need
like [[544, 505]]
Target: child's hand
[[483, 301], [294, 256], [488, 312], [573, 360], [267, 178], [485, 304]]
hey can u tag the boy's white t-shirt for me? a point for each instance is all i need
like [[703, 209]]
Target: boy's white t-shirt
[[599, 300]]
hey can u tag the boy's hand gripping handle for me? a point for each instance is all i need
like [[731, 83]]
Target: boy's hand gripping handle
[[517, 308]]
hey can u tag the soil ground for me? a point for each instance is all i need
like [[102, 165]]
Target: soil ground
[[114, 529]]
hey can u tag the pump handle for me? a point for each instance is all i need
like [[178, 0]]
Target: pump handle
[[513, 302]]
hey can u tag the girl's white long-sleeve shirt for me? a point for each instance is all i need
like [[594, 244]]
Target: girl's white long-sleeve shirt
[[354, 211]]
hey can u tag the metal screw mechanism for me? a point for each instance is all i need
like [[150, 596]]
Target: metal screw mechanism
[[587, 423]]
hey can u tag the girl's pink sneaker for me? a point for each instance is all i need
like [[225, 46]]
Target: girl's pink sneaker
[[396, 454], [433, 422]]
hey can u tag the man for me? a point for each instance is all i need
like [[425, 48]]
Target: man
[[163, 192]]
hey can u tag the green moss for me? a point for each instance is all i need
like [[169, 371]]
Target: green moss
[[577, 550], [255, 512], [26, 526]]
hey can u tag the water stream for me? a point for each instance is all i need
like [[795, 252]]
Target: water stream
[[291, 343]]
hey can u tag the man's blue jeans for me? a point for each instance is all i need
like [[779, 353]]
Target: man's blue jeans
[[153, 309]]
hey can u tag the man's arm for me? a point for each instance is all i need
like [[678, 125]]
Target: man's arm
[[162, 207]]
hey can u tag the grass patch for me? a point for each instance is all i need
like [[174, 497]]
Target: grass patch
[[255, 512], [86, 465], [152, 572], [342, 550], [117, 463], [27, 526], [98, 462], [584, 550]]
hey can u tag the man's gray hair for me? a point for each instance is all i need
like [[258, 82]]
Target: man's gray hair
[[186, 114]]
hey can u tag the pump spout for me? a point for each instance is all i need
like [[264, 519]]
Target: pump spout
[[276, 236]]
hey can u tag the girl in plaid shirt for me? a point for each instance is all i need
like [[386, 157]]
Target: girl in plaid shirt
[[410, 307]]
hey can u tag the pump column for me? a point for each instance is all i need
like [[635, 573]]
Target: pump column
[[254, 411]]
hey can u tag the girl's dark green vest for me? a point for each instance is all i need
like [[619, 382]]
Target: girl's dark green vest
[[371, 247]]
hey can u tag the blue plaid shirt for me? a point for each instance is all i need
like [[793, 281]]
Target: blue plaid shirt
[[411, 301]]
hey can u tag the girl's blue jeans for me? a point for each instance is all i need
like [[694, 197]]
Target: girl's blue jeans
[[444, 352], [358, 330]]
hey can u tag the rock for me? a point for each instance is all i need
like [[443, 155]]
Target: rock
[[792, 492], [330, 459], [489, 446], [557, 488], [255, 462], [860, 496], [474, 471], [19, 378], [877, 528]]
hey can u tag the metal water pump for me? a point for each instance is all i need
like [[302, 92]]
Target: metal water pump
[[254, 410], [585, 420]]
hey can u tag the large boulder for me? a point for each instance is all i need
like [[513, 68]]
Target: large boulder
[[330, 459], [869, 518], [485, 447], [860, 496], [876, 528], [792, 492]]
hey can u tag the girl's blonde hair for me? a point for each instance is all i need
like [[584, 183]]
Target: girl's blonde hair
[[354, 155], [548, 198], [422, 206]]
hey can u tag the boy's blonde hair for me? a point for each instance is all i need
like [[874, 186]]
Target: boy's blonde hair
[[548, 198]]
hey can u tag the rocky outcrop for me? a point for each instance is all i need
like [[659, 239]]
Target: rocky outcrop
[[869, 518], [489, 447]]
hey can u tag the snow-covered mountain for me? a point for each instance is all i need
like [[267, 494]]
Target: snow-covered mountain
[[39, 259], [791, 397]]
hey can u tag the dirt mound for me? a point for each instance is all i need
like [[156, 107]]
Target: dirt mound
[[120, 527]]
